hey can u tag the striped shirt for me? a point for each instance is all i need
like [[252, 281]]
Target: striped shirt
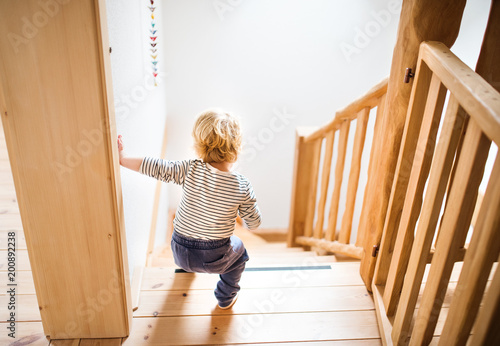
[[211, 198]]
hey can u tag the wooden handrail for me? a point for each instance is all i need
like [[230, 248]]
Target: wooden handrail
[[368, 100], [307, 217]]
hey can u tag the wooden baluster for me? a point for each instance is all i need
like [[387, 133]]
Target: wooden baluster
[[339, 172], [352, 185], [456, 221], [410, 136], [313, 189], [486, 331], [374, 157], [325, 178], [305, 152], [438, 178], [482, 253], [413, 200]]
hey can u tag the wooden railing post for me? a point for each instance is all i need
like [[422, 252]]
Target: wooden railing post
[[420, 20], [303, 182]]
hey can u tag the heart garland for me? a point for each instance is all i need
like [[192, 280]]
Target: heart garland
[[153, 42]]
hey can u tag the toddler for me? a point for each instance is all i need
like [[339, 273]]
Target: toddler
[[212, 197]]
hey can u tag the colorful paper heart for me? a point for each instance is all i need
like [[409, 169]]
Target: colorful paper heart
[[153, 44], [153, 38], [155, 74], [154, 56]]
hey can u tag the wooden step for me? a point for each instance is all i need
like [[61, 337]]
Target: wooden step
[[341, 274], [217, 330], [255, 301]]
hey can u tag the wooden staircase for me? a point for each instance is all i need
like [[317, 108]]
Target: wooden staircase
[[288, 295]]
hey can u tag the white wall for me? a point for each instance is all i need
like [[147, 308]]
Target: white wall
[[140, 116], [258, 58]]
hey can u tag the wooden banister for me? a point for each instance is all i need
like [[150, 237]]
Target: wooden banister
[[473, 111], [307, 219]]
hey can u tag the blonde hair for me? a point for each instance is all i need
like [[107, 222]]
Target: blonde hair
[[217, 136]]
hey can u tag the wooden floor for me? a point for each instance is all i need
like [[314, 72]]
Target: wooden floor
[[280, 304], [288, 296]]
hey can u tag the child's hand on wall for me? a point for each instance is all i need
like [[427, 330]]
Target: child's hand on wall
[[120, 148]]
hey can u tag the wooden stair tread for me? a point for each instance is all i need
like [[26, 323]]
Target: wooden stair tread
[[255, 301], [157, 278], [254, 328]]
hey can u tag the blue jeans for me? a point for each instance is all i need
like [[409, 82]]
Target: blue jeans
[[226, 257]]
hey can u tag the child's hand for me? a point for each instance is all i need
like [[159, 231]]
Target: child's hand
[[120, 148]]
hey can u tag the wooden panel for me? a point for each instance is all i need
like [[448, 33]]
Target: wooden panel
[[339, 173], [352, 185], [302, 177], [483, 251], [255, 301], [403, 169], [420, 20], [255, 328], [325, 178], [438, 178], [313, 188], [424, 152], [456, 221], [65, 342], [101, 342], [58, 117]]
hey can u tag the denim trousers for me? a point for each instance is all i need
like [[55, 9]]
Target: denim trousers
[[226, 257]]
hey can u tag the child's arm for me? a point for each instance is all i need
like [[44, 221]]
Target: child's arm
[[133, 163], [249, 210]]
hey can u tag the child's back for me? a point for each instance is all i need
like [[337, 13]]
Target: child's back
[[212, 197]]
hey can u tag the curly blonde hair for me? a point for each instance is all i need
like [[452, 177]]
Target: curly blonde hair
[[217, 136]]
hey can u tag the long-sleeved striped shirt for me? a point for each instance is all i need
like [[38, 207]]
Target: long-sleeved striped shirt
[[211, 198]]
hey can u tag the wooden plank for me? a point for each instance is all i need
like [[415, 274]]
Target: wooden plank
[[341, 274], [255, 301], [416, 110], [369, 100], [69, 197], [27, 333], [423, 155], [420, 20], [454, 227], [26, 308], [302, 176], [339, 173], [101, 342], [364, 342], [313, 189], [333, 246], [325, 179], [483, 251], [374, 158], [65, 342], [20, 240], [22, 260], [352, 185], [486, 327], [255, 328], [479, 98]]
